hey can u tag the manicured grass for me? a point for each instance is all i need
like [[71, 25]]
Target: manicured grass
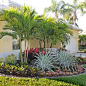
[[84, 65], [77, 80], [5, 81]]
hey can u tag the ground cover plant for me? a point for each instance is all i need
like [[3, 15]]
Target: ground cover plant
[[77, 80], [6, 81]]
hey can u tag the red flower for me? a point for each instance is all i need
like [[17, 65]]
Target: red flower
[[65, 50], [31, 49], [43, 51], [36, 50]]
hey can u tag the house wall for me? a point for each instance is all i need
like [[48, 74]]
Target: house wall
[[35, 43], [6, 41], [0, 39], [76, 34], [72, 46]]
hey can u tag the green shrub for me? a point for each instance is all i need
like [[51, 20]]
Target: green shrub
[[11, 59]]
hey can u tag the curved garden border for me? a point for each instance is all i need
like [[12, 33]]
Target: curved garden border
[[44, 77]]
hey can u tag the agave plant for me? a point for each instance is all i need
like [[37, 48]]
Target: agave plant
[[45, 62], [66, 61]]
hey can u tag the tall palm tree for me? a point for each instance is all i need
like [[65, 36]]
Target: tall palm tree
[[58, 8], [44, 30], [77, 7], [14, 19], [20, 21]]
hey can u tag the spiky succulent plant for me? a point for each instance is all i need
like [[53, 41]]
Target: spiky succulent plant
[[66, 60], [45, 62]]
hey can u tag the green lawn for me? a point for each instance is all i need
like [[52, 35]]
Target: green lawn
[[84, 65], [5, 81], [77, 80]]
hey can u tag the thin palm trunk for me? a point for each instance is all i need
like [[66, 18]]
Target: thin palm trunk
[[44, 42], [25, 49], [74, 17], [20, 49], [56, 15], [40, 44]]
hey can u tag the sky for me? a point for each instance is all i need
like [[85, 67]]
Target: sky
[[39, 6]]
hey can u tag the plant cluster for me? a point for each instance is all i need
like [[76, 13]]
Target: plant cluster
[[32, 53], [81, 60], [24, 70]]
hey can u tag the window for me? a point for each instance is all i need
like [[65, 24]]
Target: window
[[16, 44]]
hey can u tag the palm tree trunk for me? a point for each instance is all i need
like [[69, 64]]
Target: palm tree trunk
[[74, 16], [44, 43], [20, 49], [25, 50], [56, 15], [40, 44]]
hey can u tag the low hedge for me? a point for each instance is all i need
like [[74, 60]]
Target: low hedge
[[5, 81], [77, 80]]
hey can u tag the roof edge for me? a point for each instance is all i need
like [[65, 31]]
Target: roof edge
[[75, 27]]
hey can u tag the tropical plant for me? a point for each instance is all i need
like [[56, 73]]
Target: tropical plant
[[66, 61], [21, 21], [50, 31], [45, 30], [46, 62], [14, 19]]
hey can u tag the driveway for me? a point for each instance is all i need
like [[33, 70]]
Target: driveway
[[80, 54]]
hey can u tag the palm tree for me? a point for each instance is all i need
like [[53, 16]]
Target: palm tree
[[74, 8], [58, 8], [44, 30], [21, 22], [14, 19]]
